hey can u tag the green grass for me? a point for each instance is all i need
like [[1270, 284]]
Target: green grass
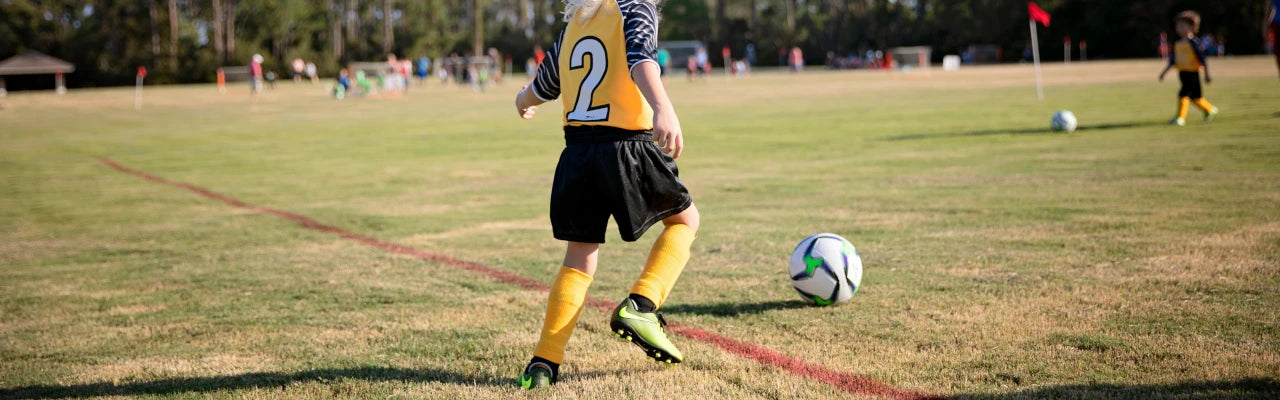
[[1130, 259]]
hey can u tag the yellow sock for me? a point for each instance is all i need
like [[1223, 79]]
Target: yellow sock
[[1204, 105], [1183, 103], [666, 260], [564, 303]]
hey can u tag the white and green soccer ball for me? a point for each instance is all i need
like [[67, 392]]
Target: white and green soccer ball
[[1063, 121], [825, 269]]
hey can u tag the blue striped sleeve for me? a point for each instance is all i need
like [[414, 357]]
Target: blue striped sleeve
[[546, 85], [640, 28]]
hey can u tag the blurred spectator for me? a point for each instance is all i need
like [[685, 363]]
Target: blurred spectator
[[299, 69], [255, 76], [222, 81], [406, 71], [664, 61], [424, 69], [797, 59], [1207, 43], [311, 72], [727, 55], [1164, 45], [691, 66], [495, 66], [701, 58], [344, 79], [363, 85]]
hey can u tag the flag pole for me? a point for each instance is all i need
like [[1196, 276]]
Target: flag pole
[[1035, 53]]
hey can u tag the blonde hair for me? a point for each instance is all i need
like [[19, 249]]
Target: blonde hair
[[1191, 18], [584, 10]]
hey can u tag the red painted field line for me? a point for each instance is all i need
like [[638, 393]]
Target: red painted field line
[[848, 382]]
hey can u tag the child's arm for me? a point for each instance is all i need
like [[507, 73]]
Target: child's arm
[[640, 27], [666, 126], [527, 103], [1166, 71], [545, 86], [1199, 50]]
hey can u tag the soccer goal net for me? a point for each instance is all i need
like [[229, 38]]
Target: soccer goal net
[[915, 57]]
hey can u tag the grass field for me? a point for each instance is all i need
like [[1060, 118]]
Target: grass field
[[1128, 260]]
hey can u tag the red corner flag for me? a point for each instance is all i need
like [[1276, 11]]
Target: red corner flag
[[1037, 14]]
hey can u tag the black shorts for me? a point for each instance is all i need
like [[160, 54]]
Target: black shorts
[[606, 171], [1190, 84]]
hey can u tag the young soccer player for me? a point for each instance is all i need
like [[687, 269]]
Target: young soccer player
[[1188, 57], [615, 108]]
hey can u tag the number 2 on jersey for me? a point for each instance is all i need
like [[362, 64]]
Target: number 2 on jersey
[[582, 109]]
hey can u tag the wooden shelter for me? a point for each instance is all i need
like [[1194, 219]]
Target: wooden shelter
[[35, 63]]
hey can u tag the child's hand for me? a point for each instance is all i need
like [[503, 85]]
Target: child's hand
[[528, 112], [666, 132], [1161, 77], [1207, 78]]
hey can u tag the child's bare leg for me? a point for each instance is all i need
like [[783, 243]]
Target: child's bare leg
[[689, 217], [582, 256]]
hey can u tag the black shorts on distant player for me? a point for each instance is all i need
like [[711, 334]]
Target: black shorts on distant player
[[1190, 85]]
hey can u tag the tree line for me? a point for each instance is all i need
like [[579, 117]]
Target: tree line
[[186, 40]]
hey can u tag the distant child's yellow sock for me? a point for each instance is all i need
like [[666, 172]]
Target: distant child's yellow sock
[[666, 260], [568, 293], [1183, 103], [1204, 105]]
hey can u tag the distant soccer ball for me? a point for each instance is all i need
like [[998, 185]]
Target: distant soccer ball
[[1063, 121], [825, 269]]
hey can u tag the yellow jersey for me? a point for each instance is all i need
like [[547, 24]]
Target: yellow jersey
[[589, 67], [1187, 55]]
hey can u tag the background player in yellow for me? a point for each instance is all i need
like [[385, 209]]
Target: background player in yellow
[[616, 115], [1188, 57]]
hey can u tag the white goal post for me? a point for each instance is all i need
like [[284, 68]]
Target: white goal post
[[914, 57]]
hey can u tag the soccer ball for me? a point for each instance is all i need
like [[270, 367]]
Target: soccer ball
[[1063, 121], [825, 269]]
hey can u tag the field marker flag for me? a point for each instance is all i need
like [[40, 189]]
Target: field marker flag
[[1037, 15]]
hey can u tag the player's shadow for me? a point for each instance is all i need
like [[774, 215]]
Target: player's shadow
[[252, 380], [1246, 388], [1023, 131], [733, 309]]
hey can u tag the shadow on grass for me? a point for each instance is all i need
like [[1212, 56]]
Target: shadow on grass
[[1247, 388], [730, 309], [253, 380], [1025, 131]]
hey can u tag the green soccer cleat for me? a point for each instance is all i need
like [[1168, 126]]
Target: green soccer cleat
[[1178, 122], [645, 330], [538, 374], [1209, 115]]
